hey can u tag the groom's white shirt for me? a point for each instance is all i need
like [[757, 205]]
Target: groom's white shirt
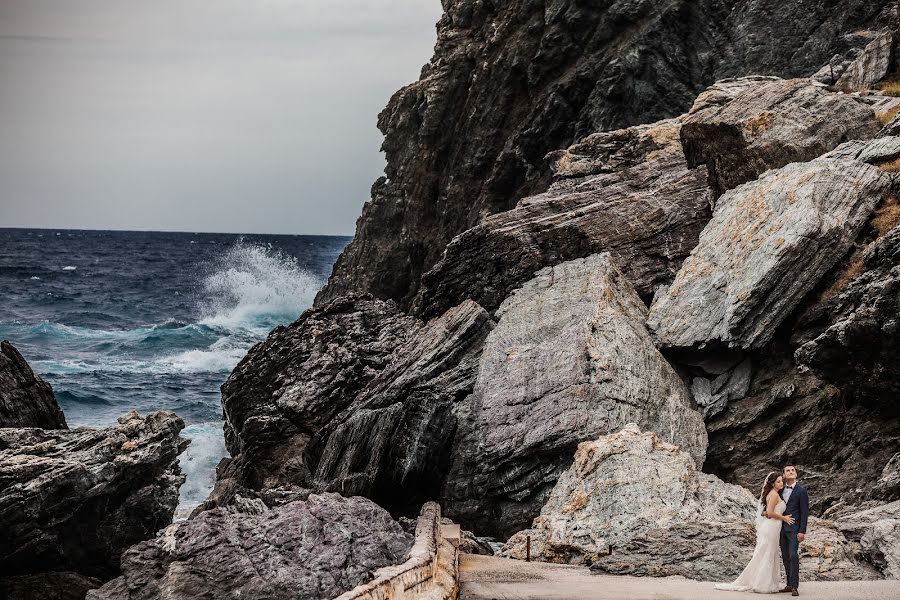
[[786, 494]]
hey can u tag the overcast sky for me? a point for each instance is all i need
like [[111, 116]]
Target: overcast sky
[[199, 115]]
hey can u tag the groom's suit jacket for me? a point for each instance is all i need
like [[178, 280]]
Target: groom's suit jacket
[[797, 507]]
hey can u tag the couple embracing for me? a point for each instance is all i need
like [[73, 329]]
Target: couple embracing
[[780, 526]]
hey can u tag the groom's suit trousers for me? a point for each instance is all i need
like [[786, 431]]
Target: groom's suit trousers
[[797, 507], [790, 556]]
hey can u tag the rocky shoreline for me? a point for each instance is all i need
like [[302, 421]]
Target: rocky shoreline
[[579, 309]]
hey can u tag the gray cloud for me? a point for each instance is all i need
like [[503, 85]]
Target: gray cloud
[[199, 115]]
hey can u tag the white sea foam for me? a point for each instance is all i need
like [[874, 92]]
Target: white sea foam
[[198, 463], [35, 278], [220, 360], [256, 287]]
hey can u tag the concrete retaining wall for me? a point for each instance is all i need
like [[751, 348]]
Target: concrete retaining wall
[[431, 572]]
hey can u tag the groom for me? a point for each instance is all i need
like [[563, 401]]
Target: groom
[[797, 501]]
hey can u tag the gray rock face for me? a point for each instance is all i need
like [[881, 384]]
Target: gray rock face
[[354, 397], [646, 498], [628, 192], [768, 244], [888, 485], [769, 126], [877, 530], [511, 81], [870, 66], [712, 395], [854, 337], [880, 150], [25, 399], [291, 385], [570, 359], [393, 442], [301, 550], [621, 485], [75, 499]]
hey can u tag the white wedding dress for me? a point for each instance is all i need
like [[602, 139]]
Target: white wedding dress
[[763, 573]]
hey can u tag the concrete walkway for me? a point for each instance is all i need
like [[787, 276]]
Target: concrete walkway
[[491, 578]]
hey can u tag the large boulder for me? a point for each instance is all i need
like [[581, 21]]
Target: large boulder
[[646, 500], [769, 126], [354, 397], [570, 359], [767, 245], [628, 192], [511, 81], [623, 484], [288, 387], [394, 441], [73, 500], [26, 400], [870, 66], [308, 550]]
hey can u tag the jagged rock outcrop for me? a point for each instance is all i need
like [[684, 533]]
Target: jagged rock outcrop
[[628, 192], [767, 245], [870, 66], [511, 81], [393, 443], [287, 388], [308, 550], [877, 531], [354, 397], [73, 500], [622, 484], [26, 400], [769, 126], [646, 499], [854, 337], [570, 359]]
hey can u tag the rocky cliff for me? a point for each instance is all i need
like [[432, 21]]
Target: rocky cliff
[[722, 276], [511, 81], [26, 400]]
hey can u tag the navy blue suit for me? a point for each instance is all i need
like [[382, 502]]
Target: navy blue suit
[[797, 507]]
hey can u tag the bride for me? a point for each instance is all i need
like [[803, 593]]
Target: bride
[[763, 573]]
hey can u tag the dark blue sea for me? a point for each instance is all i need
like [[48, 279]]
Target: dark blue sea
[[117, 320]]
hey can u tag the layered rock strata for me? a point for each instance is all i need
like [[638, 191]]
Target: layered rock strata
[[870, 66], [855, 336], [628, 192], [767, 245], [303, 550], [510, 82], [354, 397], [74, 500], [26, 400], [570, 359], [769, 126]]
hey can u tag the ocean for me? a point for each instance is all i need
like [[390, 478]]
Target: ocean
[[117, 320]]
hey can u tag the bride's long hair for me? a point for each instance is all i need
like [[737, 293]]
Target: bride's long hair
[[768, 484]]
